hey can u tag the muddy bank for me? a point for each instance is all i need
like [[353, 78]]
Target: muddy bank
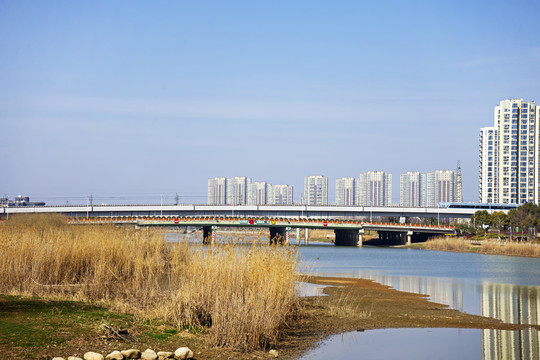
[[360, 304]]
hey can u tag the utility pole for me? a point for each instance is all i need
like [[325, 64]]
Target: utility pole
[[176, 199]]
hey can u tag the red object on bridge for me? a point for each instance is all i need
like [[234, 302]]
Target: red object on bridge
[[176, 221], [325, 223], [251, 221]]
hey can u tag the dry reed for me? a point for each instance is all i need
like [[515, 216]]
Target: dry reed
[[241, 294], [491, 246]]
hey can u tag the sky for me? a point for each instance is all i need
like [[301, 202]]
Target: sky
[[137, 101]]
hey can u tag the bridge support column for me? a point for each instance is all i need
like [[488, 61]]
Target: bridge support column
[[360, 236], [209, 234], [306, 236], [298, 236], [278, 235], [346, 237], [409, 237]]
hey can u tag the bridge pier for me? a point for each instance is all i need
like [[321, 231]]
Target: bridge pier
[[278, 235], [346, 237], [208, 235], [409, 237]]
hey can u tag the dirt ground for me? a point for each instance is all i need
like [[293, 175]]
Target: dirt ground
[[352, 305]]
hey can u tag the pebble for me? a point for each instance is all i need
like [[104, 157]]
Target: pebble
[[274, 353]]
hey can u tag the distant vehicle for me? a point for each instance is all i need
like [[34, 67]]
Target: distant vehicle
[[479, 206]]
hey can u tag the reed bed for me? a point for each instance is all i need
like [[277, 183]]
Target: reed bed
[[490, 246], [242, 295]]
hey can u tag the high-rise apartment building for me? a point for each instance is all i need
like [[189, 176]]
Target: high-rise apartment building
[[237, 190], [346, 191], [217, 191], [442, 186], [316, 190], [258, 193], [412, 189], [509, 154], [280, 195], [375, 189]]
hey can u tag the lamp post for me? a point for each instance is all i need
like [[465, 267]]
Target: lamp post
[[161, 205]]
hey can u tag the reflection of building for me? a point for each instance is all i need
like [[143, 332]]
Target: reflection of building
[[512, 304]]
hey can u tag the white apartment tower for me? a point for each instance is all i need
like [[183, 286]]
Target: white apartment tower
[[217, 191], [412, 189], [281, 195], [316, 190], [237, 190], [346, 191], [374, 189], [509, 154], [442, 187], [258, 193]]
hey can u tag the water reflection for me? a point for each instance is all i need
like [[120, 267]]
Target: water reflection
[[512, 304]]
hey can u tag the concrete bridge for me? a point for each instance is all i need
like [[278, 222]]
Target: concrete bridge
[[348, 232], [295, 211]]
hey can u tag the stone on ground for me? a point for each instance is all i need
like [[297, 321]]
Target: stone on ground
[[183, 353], [274, 353], [93, 356], [149, 354], [131, 354], [115, 355], [162, 355]]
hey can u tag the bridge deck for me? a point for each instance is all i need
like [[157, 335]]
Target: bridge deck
[[263, 222]]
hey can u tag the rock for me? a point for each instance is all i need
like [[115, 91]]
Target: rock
[[149, 354], [131, 354], [162, 355], [58, 358], [183, 353], [274, 353], [74, 358], [115, 355], [93, 356]]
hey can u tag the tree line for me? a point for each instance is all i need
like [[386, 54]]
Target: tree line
[[522, 222]]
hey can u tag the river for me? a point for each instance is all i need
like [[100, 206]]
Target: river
[[503, 287]]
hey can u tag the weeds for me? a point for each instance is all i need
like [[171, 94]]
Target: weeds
[[241, 294], [485, 247]]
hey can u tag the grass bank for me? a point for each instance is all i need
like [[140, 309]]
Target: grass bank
[[241, 296], [489, 246]]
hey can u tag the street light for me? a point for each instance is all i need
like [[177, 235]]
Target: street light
[[161, 204]]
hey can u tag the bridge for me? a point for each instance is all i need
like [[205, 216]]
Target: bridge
[[293, 211], [348, 232]]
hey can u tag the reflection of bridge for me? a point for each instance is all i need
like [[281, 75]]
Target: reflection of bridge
[[348, 232]]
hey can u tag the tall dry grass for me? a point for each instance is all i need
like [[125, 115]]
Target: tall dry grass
[[491, 246], [242, 294]]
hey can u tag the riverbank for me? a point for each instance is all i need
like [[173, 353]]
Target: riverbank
[[41, 328], [488, 247]]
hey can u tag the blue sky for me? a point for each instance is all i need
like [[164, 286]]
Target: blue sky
[[137, 99]]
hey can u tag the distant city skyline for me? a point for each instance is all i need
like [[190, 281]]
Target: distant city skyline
[[136, 101]]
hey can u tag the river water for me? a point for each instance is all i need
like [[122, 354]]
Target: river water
[[503, 287]]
